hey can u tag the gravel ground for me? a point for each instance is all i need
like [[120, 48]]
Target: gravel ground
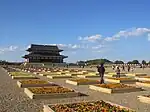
[[13, 99]]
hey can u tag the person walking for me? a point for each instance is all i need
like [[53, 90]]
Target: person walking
[[128, 68], [113, 67], [118, 72], [67, 65], [123, 68], [132, 69], [143, 67], [101, 70]]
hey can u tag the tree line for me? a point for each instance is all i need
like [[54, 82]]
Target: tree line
[[4, 62], [91, 62], [106, 61]]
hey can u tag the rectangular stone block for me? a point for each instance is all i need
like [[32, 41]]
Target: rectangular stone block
[[143, 84], [47, 108], [136, 74], [81, 83], [33, 85], [142, 78], [51, 95], [58, 77], [120, 81], [88, 76], [144, 99], [115, 90], [24, 77]]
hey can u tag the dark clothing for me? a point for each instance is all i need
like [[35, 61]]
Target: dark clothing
[[101, 71], [123, 68], [118, 75], [128, 68], [118, 72], [101, 78]]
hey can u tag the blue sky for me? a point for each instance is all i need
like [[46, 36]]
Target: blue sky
[[85, 29]]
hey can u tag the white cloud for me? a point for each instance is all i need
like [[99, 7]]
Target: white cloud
[[149, 37], [93, 38], [133, 32], [80, 38], [69, 47], [97, 47], [74, 52], [109, 39], [12, 48], [98, 51], [8, 49], [1, 52]]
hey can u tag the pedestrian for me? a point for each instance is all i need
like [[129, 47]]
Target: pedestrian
[[118, 72], [101, 70], [113, 67], [128, 68], [123, 68], [143, 67], [132, 69], [67, 65]]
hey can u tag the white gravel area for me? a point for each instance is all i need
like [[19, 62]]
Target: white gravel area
[[13, 99]]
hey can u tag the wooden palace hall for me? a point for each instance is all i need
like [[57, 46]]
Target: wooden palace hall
[[44, 53]]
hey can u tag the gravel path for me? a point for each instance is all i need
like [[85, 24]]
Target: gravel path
[[13, 99]]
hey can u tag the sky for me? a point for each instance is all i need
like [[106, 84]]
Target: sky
[[84, 29]]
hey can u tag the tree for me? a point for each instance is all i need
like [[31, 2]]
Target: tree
[[102, 61], [129, 62], [118, 62], [98, 61], [3, 62], [135, 62], [144, 62]]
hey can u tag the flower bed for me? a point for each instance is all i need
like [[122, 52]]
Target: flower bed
[[143, 78], [144, 98], [50, 92], [45, 74], [95, 106], [73, 73], [19, 74], [114, 88], [120, 80], [34, 83], [114, 75], [88, 76], [82, 81], [136, 74], [24, 77], [143, 83], [83, 72], [66, 71], [55, 72], [58, 76]]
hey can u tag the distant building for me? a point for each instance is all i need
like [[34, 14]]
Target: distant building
[[44, 53]]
